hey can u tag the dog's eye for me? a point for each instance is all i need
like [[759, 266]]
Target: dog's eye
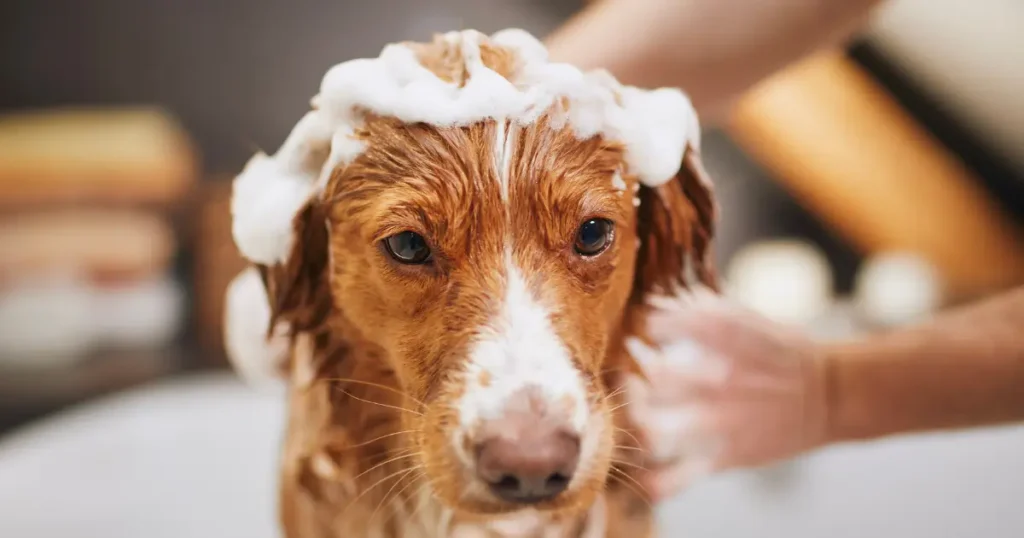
[[408, 247], [593, 237]]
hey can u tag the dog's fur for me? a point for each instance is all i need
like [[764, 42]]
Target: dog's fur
[[378, 348]]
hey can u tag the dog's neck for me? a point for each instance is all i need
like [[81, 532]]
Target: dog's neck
[[350, 466], [348, 463]]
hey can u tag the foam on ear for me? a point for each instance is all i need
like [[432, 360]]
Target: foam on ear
[[258, 359], [271, 190], [655, 127]]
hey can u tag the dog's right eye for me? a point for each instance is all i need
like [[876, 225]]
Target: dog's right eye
[[408, 247], [593, 237]]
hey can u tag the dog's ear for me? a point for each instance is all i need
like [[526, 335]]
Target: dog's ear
[[297, 289], [274, 312], [676, 224]]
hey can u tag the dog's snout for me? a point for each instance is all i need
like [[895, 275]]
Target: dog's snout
[[530, 461]]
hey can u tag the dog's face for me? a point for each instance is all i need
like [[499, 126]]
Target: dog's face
[[495, 266], [498, 265]]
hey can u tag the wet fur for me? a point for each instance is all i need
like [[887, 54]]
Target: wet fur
[[374, 339]]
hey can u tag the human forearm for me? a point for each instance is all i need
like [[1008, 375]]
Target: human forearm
[[964, 369], [715, 49]]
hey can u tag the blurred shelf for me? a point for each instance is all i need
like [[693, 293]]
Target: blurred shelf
[[29, 393]]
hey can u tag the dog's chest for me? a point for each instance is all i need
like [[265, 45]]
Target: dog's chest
[[527, 525], [536, 525]]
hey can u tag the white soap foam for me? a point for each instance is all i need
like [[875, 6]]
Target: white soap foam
[[655, 127], [269, 192], [618, 183], [256, 358]]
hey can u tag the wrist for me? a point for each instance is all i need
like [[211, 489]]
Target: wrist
[[847, 413], [817, 415]]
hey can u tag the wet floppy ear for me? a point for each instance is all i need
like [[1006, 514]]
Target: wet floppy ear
[[298, 295], [278, 223], [274, 314], [271, 310], [676, 224], [297, 289]]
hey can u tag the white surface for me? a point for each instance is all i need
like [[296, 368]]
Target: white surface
[[964, 485], [189, 458], [197, 458]]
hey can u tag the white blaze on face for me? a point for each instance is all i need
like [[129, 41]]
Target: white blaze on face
[[504, 145], [518, 349]]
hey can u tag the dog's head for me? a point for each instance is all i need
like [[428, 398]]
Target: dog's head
[[493, 223]]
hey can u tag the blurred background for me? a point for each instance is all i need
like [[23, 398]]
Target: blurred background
[[860, 189]]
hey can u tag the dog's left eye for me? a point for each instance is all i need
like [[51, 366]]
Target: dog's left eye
[[408, 247], [594, 236]]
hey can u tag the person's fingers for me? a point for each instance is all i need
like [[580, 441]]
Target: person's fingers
[[680, 387], [697, 297], [661, 484], [646, 356], [669, 434], [730, 333], [666, 433], [683, 352], [676, 373], [709, 329]]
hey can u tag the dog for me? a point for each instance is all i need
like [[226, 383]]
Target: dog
[[450, 251]]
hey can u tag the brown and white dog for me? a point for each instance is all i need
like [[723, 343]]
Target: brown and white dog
[[451, 250]]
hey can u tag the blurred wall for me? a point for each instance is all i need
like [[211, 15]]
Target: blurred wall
[[970, 57], [238, 73]]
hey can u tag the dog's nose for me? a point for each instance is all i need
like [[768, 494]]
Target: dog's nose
[[533, 462]]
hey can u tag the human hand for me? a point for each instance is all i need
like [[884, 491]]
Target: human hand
[[726, 389]]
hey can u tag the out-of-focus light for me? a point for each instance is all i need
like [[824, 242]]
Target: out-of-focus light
[[788, 281], [896, 288]]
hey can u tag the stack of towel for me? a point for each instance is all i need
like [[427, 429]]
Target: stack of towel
[[86, 235]]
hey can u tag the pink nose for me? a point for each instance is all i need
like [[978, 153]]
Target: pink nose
[[528, 461]]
